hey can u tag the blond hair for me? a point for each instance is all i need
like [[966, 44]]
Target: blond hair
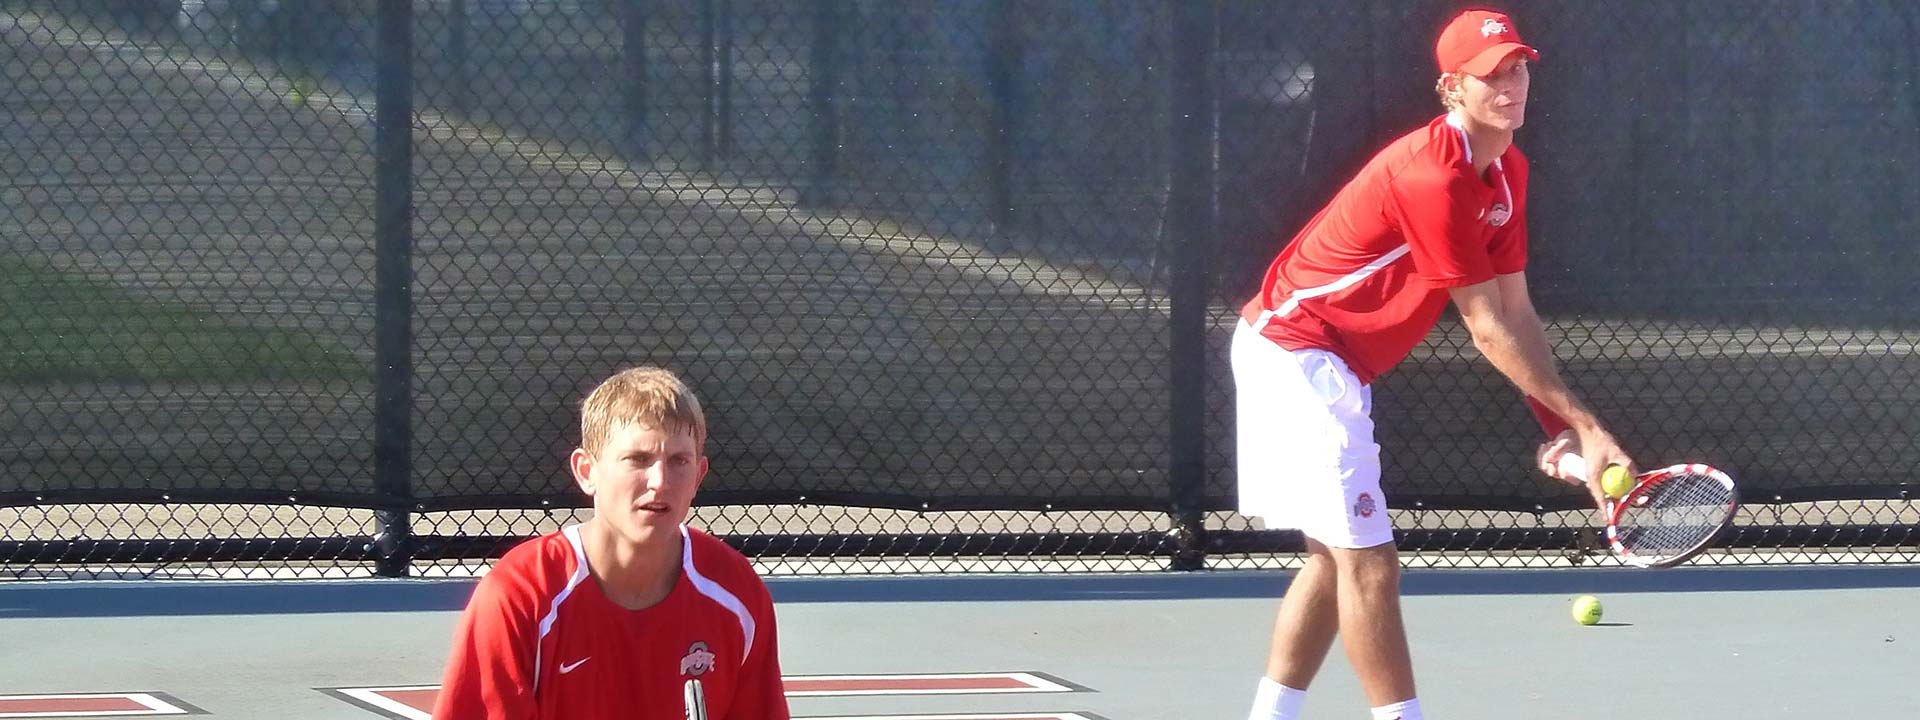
[[648, 397], [1448, 100]]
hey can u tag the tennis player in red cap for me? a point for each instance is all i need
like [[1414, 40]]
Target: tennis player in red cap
[[1438, 216]]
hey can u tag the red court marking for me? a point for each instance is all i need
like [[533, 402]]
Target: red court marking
[[823, 686], [416, 699], [415, 702], [940, 684], [86, 705]]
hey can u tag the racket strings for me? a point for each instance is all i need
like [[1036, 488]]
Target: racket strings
[[1677, 515]]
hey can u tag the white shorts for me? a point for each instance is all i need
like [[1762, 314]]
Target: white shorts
[[1304, 438]]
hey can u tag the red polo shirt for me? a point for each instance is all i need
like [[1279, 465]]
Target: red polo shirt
[[1368, 276]]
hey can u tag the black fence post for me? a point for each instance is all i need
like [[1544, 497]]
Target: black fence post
[[459, 52], [716, 68], [824, 74], [633, 61], [724, 145], [1003, 56], [393, 280], [1191, 215]]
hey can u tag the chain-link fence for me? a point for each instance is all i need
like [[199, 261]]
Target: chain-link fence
[[318, 285]]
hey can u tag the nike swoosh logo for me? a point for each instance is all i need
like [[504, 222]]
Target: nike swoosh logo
[[568, 667]]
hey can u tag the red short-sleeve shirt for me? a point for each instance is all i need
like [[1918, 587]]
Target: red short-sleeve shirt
[[1368, 276], [539, 640]]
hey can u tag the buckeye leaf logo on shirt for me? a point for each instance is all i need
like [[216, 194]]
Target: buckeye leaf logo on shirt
[[698, 660]]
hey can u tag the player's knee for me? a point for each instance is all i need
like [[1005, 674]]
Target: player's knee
[[1374, 568], [1318, 551]]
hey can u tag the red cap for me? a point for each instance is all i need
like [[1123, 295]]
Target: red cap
[[1476, 41]]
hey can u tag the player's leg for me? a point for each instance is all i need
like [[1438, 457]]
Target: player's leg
[[1356, 529], [1303, 631], [1304, 627], [1286, 464], [1371, 628]]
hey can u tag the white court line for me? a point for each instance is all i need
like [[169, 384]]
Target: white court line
[[372, 696], [154, 705]]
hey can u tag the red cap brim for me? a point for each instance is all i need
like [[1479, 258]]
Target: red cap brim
[[1489, 59]]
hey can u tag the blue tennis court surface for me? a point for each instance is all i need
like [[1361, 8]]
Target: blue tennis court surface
[[1783, 642]]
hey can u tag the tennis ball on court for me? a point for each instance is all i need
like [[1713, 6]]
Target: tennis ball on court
[[1586, 609], [1615, 482]]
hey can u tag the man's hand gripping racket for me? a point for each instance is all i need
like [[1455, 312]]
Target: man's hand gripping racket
[[1669, 515]]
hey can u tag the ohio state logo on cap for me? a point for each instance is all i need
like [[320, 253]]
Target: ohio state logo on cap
[[1477, 40]]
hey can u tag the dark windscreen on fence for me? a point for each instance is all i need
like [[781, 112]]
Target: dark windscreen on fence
[[912, 254]]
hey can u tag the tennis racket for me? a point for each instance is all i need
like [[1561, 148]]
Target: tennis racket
[[696, 698], [1670, 515]]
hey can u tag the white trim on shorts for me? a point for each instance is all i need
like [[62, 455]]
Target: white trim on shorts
[[1304, 440]]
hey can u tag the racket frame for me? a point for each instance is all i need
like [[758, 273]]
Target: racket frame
[[1572, 465], [1637, 497]]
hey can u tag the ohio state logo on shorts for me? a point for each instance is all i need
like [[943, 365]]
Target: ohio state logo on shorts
[[1364, 506]]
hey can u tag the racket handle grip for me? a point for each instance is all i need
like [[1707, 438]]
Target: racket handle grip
[[1571, 465]]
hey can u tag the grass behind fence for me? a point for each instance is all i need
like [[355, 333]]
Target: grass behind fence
[[58, 327]]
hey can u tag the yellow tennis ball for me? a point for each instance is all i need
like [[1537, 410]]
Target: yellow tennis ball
[[301, 90], [1615, 482], [1586, 609]]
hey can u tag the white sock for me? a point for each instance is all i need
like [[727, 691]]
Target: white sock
[[1408, 710], [1273, 701]]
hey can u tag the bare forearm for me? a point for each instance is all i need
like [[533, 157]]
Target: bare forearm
[[1518, 348]]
